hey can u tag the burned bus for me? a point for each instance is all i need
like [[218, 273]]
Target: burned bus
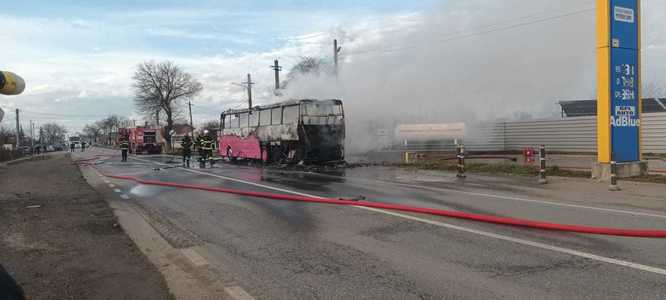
[[309, 131]]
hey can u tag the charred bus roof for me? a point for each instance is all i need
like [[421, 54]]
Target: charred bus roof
[[279, 104]]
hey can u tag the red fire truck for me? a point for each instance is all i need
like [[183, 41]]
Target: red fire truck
[[142, 140]]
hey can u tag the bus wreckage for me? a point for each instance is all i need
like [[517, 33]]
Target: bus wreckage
[[295, 131]]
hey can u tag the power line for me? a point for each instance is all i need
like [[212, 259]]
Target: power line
[[324, 42], [473, 34]]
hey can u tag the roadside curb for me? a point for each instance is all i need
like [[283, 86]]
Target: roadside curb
[[186, 278], [14, 161]]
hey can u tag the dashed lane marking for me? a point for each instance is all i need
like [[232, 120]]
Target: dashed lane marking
[[117, 190], [111, 185], [124, 196]]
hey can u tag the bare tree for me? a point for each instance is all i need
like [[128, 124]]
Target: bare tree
[[53, 133], [308, 66], [158, 87], [6, 135], [92, 132], [212, 126]]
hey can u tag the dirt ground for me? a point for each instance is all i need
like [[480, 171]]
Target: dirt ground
[[59, 239]]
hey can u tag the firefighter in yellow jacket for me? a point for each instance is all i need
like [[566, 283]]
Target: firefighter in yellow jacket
[[205, 148], [124, 147]]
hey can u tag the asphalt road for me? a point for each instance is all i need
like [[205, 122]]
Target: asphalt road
[[286, 250]]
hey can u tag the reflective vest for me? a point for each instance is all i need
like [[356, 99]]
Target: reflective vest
[[124, 145], [206, 144]]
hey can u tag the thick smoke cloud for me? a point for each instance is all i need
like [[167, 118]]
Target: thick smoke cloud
[[468, 61]]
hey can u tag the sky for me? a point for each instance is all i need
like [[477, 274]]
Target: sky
[[444, 61]]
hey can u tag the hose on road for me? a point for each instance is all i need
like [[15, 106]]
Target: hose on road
[[646, 233]]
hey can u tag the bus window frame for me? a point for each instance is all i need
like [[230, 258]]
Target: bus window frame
[[279, 109], [262, 112], [298, 114], [252, 113], [247, 120], [231, 118]]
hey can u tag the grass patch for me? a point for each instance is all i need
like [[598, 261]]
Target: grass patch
[[500, 168], [647, 178]]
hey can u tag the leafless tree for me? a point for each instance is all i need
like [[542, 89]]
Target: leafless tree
[[92, 132], [159, 87], [6, 135], [212, 126], [53, 133]]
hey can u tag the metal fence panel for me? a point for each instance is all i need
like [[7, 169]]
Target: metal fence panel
[[565, 135]]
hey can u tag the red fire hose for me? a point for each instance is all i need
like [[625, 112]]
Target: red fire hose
[[421, 210]]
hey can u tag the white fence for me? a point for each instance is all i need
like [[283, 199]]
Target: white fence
[[566, 135]]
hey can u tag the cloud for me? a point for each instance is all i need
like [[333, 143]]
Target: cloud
[[431, 65]]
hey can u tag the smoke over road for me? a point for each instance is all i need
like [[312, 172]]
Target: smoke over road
[[467, 61]]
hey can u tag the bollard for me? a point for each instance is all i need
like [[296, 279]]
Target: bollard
[[461, 161], [542, 161], [613, 177]]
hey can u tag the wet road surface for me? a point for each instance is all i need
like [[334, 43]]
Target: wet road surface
[[288, 250]]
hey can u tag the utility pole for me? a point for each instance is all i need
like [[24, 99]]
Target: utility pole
[[336, 51], [249, 84], [32, 137], [277, 68], [18, 131], [189, 104]]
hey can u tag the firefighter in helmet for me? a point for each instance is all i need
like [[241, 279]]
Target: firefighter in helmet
[[187, 144], [205, 148], [211, 145], [124, 147]]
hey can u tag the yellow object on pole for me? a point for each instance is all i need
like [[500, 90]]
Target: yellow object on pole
[[11, 84], [619, 82]]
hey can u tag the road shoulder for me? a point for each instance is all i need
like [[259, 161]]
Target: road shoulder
[[60, 240], [188, 275]]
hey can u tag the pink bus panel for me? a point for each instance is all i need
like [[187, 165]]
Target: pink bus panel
[[241, 147]]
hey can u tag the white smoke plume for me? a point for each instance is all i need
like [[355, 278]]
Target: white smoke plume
[[467, 61]]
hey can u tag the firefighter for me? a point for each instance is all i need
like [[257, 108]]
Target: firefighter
[[209, 151], [124, 147], [186, 143], [199, 146], [205, 148]]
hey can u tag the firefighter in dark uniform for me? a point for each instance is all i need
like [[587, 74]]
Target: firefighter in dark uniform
[[199, 145], [124, 147], [211, 147], [186, 143], [206, 148]]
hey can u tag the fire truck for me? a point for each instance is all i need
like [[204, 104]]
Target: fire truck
[[143, 140]]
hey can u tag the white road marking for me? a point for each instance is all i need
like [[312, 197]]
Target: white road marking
[[124, 196], [238, 293], [117, 190], [506, 197], [111, 185], [106, 181], [497, 196], [194, 257], [609, 260], [604, 259]]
